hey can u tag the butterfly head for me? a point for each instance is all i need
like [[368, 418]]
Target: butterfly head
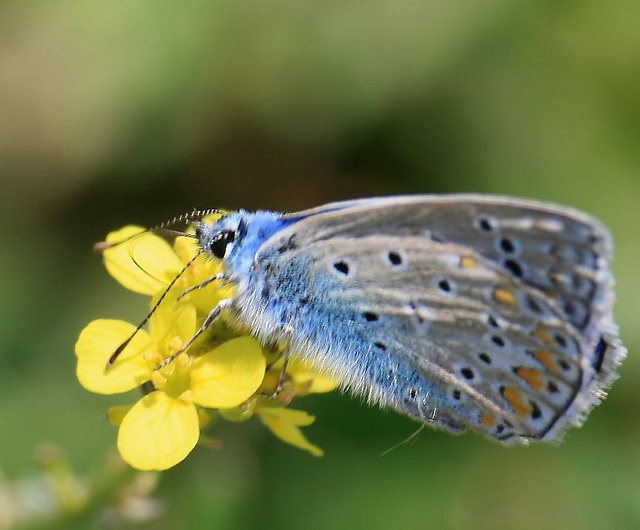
[[218, 238], [236, 238]]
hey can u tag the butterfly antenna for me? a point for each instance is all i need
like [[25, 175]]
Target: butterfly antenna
[[162, 228], [124, 344]]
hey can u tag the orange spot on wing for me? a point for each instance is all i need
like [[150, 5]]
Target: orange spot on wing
[[468, 263], [531, 376], [487, 420], [543, 334], [517, 402], [504, 297], [546, 358]]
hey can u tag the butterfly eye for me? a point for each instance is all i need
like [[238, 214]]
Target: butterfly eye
[[218, 245]]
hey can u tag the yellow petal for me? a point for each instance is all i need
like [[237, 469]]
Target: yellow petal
[[309, 380], [94, 347], [158, 432], [228, 375], [186, 247], [172, 319], [116, 414], [145, 264], [241, 413], [321, 384], [284, 424]]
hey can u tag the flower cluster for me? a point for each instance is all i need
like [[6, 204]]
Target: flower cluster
[[222, 374]]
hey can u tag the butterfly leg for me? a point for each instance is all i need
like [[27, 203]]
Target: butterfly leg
[[219, 276], [281, 379], [211, 317]]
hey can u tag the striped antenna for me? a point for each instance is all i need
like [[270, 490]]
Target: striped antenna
[[162, 228]]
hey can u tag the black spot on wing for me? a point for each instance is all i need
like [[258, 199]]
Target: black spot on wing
[[444, 285], [395, 258], [341, 267], [514, 267], [370, 317], [484, 357], [507, 245], [598, 354]]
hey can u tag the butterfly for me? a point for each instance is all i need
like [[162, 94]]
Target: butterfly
[[459, 311]]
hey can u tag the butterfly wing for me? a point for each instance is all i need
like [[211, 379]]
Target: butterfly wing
[[461, 311]]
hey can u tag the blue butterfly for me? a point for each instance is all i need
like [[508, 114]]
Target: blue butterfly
[[459, 311]]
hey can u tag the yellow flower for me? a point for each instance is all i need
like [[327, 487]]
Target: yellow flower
[[162, 428], [215, 373], [285, 423], [301, 380]]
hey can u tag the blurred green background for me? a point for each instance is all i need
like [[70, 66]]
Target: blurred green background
[[119, 112]]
